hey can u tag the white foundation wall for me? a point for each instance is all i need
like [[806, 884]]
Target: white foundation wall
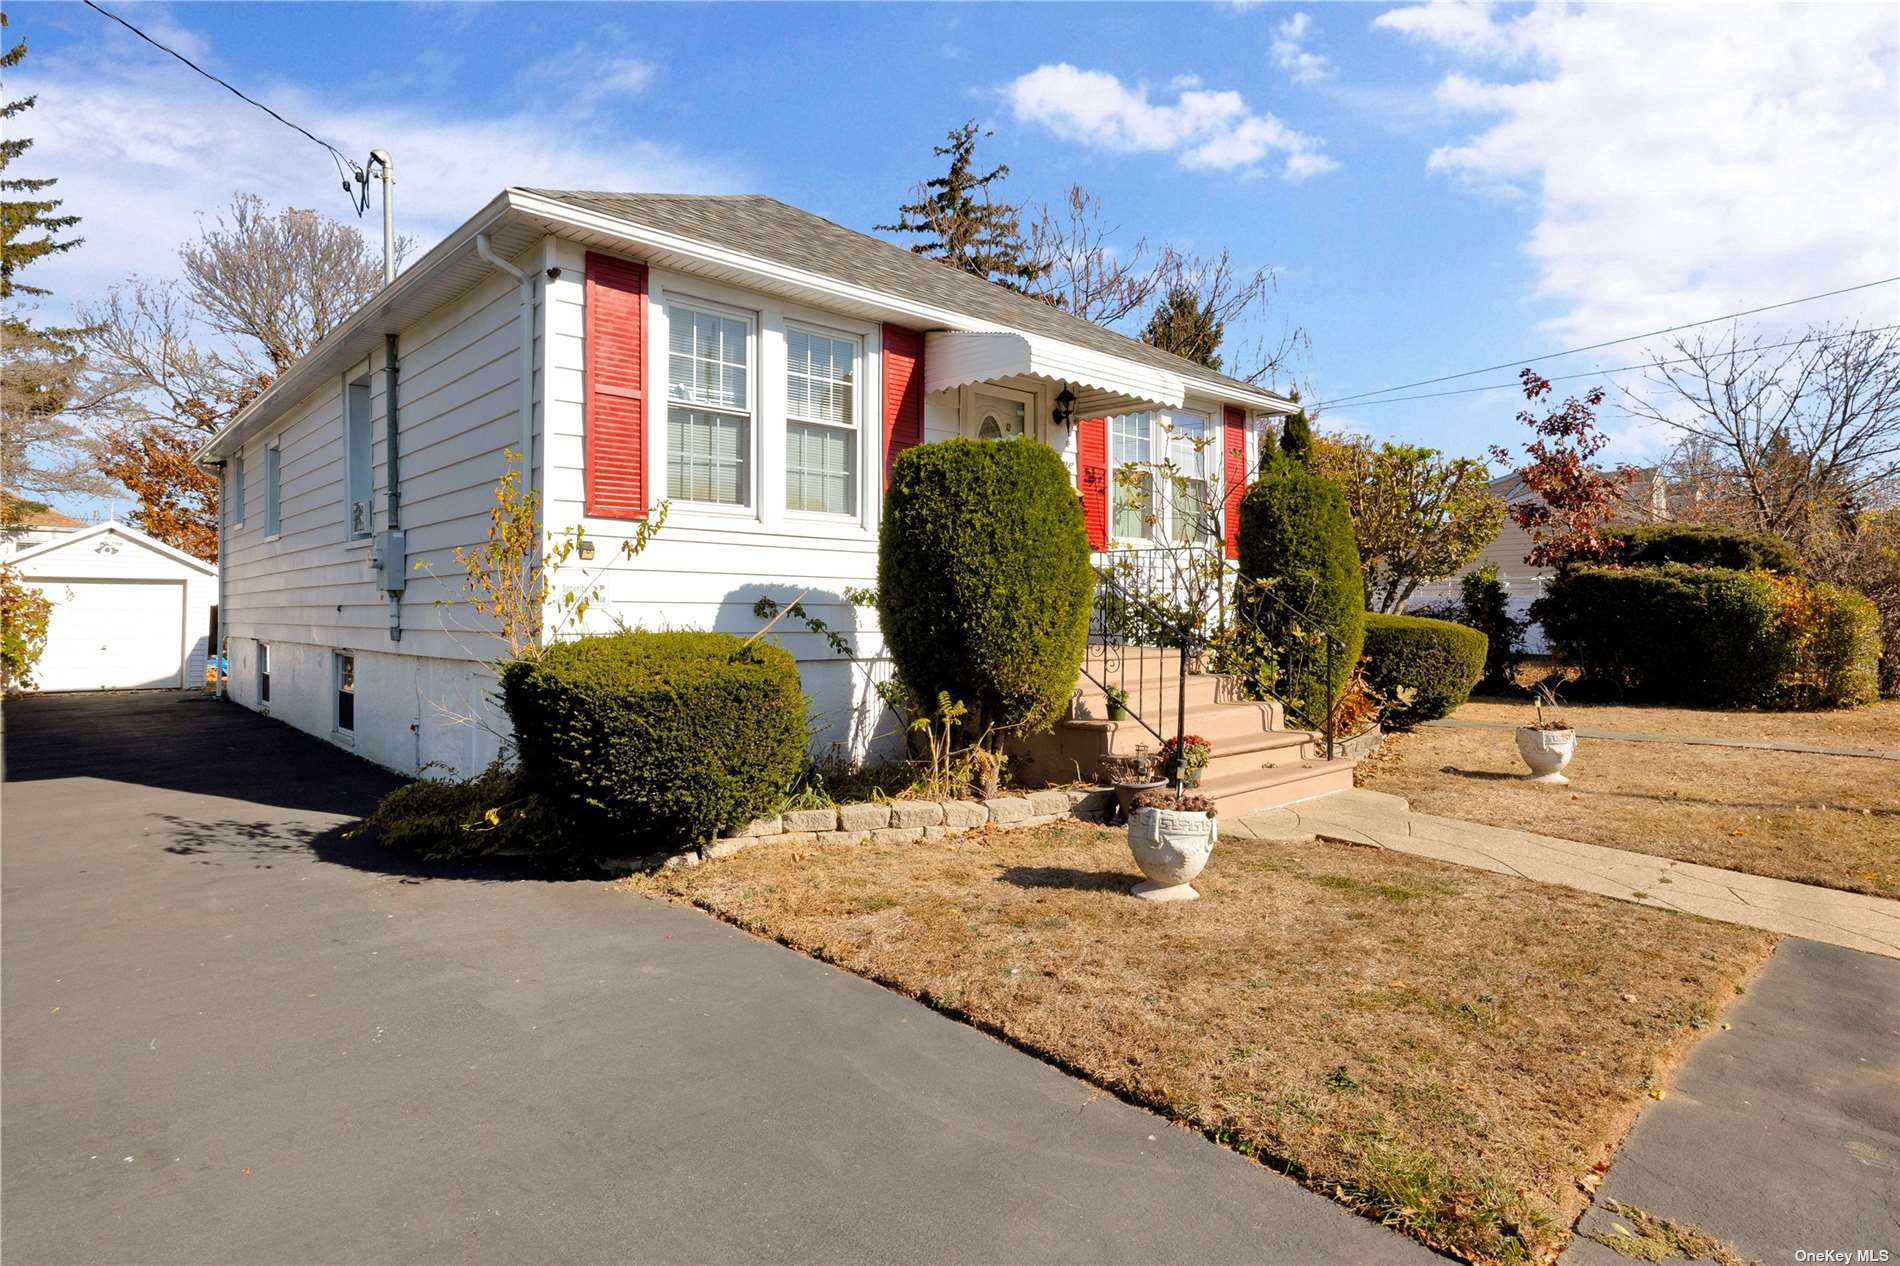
[[414, 713]]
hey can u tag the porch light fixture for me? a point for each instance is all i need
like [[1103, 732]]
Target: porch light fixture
[[1064, 412]]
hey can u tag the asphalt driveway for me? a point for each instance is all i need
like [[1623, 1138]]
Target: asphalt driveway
[[232, 1033]]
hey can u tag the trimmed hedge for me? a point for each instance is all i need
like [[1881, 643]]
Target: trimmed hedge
[[1296, 534], [983, 580], [671, 738], [1440, 662], [1713, 636], [1652, 545]]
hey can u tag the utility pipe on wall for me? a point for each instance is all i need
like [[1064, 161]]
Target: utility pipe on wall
[[526, 281]]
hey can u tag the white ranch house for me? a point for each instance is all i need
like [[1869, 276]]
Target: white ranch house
[[752, 365]]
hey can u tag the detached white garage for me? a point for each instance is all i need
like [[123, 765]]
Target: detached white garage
[[129, 612]]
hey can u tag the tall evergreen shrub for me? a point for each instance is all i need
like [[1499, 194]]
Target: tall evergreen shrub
[[1296, 540], [983, 580]]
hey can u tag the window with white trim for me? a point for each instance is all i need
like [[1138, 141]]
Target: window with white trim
[[709, 410], [358, 518], [1192, 514], [263, 672], [273, 489], [237, 490], [1163, 468], [346, 694], [1131, 445], [821, 422]]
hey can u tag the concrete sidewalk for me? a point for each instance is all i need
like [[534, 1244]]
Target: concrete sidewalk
[[1851, 920], [233, 1034]]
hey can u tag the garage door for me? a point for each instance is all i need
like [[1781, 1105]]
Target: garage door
[[113, 635]]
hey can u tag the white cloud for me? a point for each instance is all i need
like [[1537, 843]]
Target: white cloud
[[1680, 162], [1204, 130], [141, 145], [1291, 54]]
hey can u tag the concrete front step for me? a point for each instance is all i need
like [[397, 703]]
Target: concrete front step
[[1250, 791]]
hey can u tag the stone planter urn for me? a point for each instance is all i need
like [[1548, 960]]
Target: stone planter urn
[[1171, 846], [1546, 751]]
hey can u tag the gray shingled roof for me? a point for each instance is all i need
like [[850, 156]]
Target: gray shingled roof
[[783, 234]]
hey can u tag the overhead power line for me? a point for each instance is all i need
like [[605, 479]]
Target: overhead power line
[[1595, 373], [336, 155], [1526, 360]]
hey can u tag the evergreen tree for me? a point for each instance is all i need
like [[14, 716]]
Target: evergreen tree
[[1296, 439], [1185, 325], [962, 224], [38, 366]]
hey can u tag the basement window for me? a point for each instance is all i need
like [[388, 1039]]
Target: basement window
[[346, 694], [263, 672]]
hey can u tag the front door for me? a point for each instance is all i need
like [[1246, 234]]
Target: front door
[[999, 413]]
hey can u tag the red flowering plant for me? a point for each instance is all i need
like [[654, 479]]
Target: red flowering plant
[[1186, 757]]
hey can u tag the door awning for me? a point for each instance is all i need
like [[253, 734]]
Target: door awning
[[1102, 383]]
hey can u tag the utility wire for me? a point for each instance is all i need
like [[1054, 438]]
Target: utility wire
[[1600, 373], [336, 155], [1526, 360]]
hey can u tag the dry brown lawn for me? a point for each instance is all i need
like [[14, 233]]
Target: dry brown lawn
[[1447, 1050], [1875, 728], [1828, 820]]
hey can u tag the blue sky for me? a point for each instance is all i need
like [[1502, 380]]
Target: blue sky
[[1438, 187]]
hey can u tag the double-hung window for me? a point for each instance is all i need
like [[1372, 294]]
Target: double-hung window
[[1131, 475], [709, 406], [357, 516], [821, 422], [1191, 511], [273, 490]]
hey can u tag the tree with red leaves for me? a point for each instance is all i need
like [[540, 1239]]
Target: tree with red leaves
[[1574, 499]]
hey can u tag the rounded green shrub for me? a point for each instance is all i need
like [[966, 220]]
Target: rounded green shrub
[[983, 580], [1702, 635], [1699, 545], [1426, 667], [650, 740], [1832, 639], [1296, 540]]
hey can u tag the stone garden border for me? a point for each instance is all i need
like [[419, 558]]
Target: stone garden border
[[899, 820]]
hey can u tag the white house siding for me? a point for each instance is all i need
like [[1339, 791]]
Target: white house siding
[[707, 568], [115, 554], [310, 592], [1523, 584]]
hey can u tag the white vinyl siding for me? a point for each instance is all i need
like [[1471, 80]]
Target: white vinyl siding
[[709, 414], [273, 490], [358, 516], [821, 435]]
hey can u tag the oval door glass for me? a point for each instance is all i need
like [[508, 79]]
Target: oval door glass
[[998, 419]]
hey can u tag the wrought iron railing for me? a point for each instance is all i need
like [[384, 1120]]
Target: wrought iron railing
[[1171, 605]]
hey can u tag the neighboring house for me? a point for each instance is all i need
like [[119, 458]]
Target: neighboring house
[[748, 363], [24, 525], [129, 612], [1645, 499]]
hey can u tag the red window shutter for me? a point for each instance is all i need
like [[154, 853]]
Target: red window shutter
[[615, 436], [1233, 470], [1091, 474], [903, 392]]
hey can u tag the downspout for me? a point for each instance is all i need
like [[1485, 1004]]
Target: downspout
[[395, 555], [526, 281], [224, 616]]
